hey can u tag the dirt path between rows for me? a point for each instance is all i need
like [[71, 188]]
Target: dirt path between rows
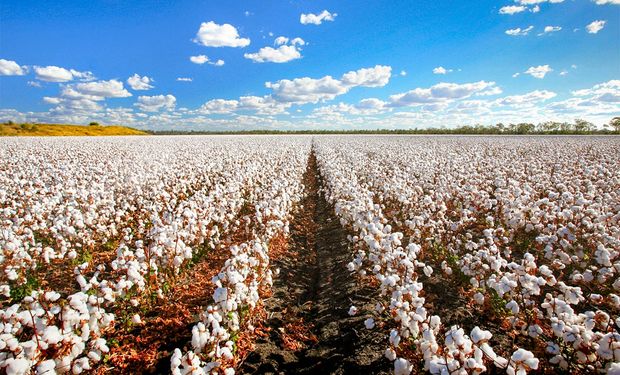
[[310, 330]]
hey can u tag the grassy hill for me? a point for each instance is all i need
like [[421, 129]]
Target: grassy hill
[[65, 130]]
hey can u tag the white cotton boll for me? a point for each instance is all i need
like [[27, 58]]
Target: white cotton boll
[[614, 369], [136, 319], [390, 354], [46, 367], [52, 335], [229, 371], [479, 298], [369, 323], [353, 310], [513, 306], [402, 367], [480, 336], [428, 271], [5, 290], [17, 366]]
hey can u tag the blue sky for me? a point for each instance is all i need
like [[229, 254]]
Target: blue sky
[[309, 64]]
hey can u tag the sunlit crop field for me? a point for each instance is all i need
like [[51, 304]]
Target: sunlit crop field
[[460, 255]]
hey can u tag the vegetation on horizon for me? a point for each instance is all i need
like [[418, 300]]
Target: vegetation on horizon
[[27, 129]]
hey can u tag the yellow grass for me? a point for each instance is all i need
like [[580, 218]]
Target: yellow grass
[[64, 130]]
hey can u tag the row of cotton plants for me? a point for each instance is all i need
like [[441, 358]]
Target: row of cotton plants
[[527, 228], [246, 275], [167, 218]]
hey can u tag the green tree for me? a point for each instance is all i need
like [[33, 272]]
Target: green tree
[[93, 123], [615, 124], [583, 125]]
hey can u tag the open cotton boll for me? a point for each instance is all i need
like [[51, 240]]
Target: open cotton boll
[[402, 367], [369, 323], [136, 319], [353, 310]]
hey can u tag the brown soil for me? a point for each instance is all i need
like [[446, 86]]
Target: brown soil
[[310, 330]]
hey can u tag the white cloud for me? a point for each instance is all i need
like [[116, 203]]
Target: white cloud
[[317, 19], [310, 90], [512, 9], [595, 26], [100, 89], [11, 68], [211, 34], [519, 32], [441, 70], [604, 2], [284, 53], [533, 2], [552, 29], [140, 83], [441, 92], [516, 75], [527, 99], [368, 77], [200, 59], [603, 92], [535, 9], [564, 72], [219, 106], [156, 103], [403, 73], [307, 90], [538, 71], [184, 79], [33, 84], [58, 74]]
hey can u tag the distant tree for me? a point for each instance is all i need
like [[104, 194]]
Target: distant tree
[[524, 128], [583, 125], [549, 126], [615, 124], [10, 122], [94, 123]]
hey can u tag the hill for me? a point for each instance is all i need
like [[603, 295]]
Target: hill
[[65, 130]]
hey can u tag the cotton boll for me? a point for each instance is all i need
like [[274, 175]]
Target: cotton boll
[[353, 310], [369, 323], [402, 367], [136, 319], [479, 298], [390, 354]]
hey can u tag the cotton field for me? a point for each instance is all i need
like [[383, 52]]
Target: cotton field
[[471, 254]]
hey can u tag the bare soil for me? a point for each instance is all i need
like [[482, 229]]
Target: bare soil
[[310, 330]]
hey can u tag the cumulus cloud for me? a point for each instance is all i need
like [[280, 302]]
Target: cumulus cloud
[[58, 74], [439, 93], [608, 92], [264, 105], [534, 2], [156, 103], [311, 90], [201, 59], [512, 9], [285, 52], [441, 70], [184, 79], [552, 29], [519, 32], [103, 89], [604, 2], [140, 83], [211, 34], [538, 71], [369, 77], [317, 19], [11, 68], [595, 26], [527, 99]]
